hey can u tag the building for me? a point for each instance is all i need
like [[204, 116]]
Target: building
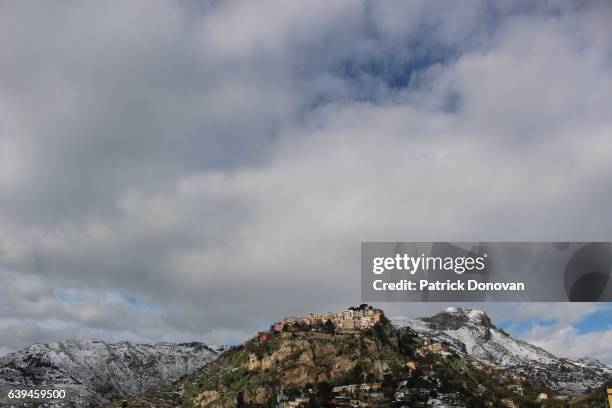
[[264, 336], [401, 396], [542, 396], [508, 403], [610, 397], [515, 388], [351, 320], [348, 314], [437, 347], [298, 402], [345, 389]]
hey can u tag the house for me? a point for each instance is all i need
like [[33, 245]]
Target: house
[[542, 396], [437, 347], [298, 402], [515, 388], [348, 314], [365, 322], [348, 324], [365, 387], [610, 396], [401, 396], [355, 388], [508, 403], [411, 365], [264, 336], [351, 389]]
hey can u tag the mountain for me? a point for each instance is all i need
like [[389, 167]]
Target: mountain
[[471, 332], [590, 361], [95, 372], [456, 358]]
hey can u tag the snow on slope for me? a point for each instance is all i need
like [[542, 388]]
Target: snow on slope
[[93, 371], [471, 332], [590, 361]]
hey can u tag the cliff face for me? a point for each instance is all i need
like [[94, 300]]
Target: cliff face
[[457, 358], [292, 361]]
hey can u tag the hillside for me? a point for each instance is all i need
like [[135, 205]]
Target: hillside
[[456, 358], [305, 362], [95, 372], [471, 332]]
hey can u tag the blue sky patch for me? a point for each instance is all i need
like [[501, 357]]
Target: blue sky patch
[[598, 321]]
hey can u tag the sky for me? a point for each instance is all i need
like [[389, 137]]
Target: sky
[[182, 170]]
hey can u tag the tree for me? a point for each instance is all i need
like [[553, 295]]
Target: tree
[[389, 382], [240, 400], [329, 327], [324, 390]]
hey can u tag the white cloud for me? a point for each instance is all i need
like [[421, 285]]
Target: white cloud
[[225, 168], [560, 312], [566, 341]]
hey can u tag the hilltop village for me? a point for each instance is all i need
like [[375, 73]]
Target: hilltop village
[[375, 391], [352, 320]]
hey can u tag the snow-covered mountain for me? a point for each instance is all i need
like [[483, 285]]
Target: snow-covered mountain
[[471, 332], [94, 372], [590, 361]]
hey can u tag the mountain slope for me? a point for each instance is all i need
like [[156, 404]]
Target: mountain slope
[[471, 332], [457, 358], [94, 372], [454, 359]]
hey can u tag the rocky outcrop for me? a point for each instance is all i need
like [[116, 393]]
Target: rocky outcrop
[[291, 361]]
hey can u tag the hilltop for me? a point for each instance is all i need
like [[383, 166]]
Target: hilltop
[[360, 357]]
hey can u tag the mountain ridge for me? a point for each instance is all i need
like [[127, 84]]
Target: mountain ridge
[[439, 360], [96, 372], [471, 332], [456, 358]]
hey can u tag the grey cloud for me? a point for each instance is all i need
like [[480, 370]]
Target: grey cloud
[[224, 169]]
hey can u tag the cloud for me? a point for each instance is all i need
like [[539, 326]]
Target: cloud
[[222, 169], [566, 341]]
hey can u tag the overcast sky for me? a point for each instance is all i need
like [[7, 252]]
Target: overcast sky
[[194, 170]]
